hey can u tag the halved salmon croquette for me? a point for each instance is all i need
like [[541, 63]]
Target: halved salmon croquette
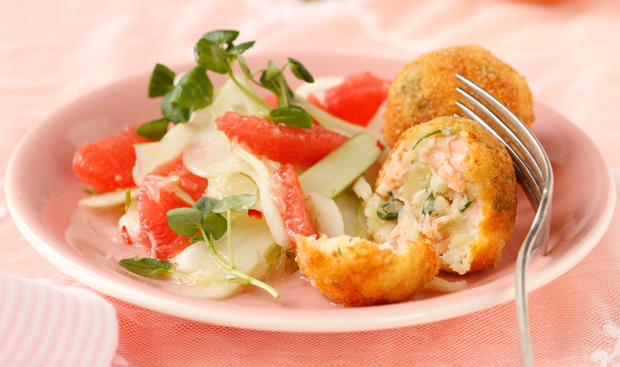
[[450, 182]]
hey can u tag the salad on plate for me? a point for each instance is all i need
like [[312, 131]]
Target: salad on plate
[[251, 180]]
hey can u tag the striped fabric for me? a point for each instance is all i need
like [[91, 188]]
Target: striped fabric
[[42, 324]]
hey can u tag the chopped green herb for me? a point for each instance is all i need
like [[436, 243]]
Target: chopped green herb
[[90, 191], [429, 204], [154, 130], [389, 210], [424, 137], [339, 251], [290, 253], [162, 80], [465, 206]]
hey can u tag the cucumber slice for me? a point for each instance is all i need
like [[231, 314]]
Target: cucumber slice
[[334, 173]]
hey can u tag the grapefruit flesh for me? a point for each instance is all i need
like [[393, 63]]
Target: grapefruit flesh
[[357, 98], [297, 219], [107, 163], [159, 194], [284, 144]]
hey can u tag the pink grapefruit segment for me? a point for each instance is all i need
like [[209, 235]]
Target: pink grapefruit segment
[[297, 219], [357, 98], [107, 163], [284, 144], [157, 195]]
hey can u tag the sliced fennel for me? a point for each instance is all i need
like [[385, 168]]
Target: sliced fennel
[[232, 98], [251, 242], [326, 119], [334, 173], [349, 204], [131, 221], [210, 156], [263, 176], [109, 199], [326, 214], [151, 155], [200, 128]]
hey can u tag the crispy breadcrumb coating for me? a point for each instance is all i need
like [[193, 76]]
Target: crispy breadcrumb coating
[[426, 87]]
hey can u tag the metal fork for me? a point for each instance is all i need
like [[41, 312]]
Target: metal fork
[[534, 172]]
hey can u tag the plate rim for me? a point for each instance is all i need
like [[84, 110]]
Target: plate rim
[[226, 317]]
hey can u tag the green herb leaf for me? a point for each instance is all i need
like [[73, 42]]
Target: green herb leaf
[[146, 267], [429, 204], [240, 48], [300, 71], [221, 36], [236, 203], [269, 76], [211, 56], [196, 238], [206, 205], [389, 210], [194, 89], [154, 130], [184, 221], [464, 207], [291, 116], [214, 225], [162, 80], [424, 137], [174, 112]]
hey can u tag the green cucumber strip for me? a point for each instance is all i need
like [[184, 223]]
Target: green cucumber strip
[[334, 173]]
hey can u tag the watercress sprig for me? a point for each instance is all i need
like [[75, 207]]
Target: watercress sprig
[[206, 219], [273, 80], [216, 52], [152, 268]]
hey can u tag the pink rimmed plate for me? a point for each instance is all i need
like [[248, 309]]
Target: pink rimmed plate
[[42, 195]]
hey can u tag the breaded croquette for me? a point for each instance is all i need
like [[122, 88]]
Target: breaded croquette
[[358, 272], [426, 87], [450, 182]]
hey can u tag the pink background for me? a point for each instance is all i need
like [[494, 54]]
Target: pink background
[[52, 52]]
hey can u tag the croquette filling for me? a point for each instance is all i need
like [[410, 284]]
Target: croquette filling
[[428, 197]]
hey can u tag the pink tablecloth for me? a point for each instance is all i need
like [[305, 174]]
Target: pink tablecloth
[[54, 51]]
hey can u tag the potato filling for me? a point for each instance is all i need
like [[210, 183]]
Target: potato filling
[[426, 196]]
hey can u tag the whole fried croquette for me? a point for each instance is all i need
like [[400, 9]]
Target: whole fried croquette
[[426, 87], [357, 272], [450, 182]]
